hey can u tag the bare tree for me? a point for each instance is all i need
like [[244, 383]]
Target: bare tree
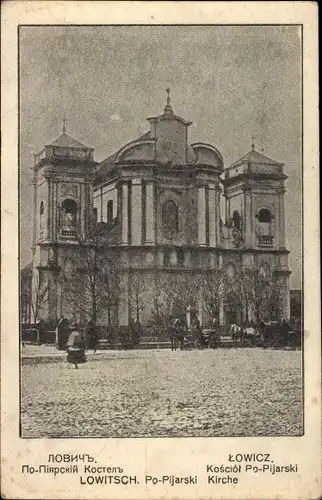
[[38, 295], [182, 292], [259, 291], [161, 299], [139, 294], [91, 283], [213, 287]]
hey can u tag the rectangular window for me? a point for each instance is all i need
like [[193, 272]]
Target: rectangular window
[[110, 211]]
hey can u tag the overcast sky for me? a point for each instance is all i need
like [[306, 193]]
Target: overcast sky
[[231, 82]]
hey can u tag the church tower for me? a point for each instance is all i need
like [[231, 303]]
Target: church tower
[[63, 199], [254, 212]]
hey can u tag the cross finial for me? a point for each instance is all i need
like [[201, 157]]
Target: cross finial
[[168, 108], [253, 144], [168, 96], [64, 124]]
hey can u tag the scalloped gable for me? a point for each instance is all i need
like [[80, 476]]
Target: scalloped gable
[[207, 154], [110, 160]]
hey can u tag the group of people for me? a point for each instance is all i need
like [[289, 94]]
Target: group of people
[[178, 333]]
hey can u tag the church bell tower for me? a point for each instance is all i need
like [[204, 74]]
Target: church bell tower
[[254, 188], [63, 200]]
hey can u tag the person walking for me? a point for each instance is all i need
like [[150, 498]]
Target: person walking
[[75, 347]]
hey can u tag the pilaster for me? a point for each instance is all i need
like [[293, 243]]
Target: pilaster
[[149, 214], [125, 209], [212, 216], [201, 216], [136, 212]]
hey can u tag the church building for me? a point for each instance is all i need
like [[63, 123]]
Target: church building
[[161, 198]]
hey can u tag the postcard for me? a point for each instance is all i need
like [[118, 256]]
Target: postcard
[[161, 328]]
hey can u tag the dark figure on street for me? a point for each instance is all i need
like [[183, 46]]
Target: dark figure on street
[[137, 331], [91, 336], [197, 333], [260, 328], [62, 333], [284, 332], [75, 347]]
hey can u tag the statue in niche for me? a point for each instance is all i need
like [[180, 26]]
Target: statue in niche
[[236, 232]]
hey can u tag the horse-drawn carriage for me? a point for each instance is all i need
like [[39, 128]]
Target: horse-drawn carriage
[[192, 338]]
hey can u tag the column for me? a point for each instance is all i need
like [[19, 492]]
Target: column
[[136, 212], [35, 213], [213, 209], [276, 222], [125, 208], [201, 216], [282, 217], [47, 226], [218, 215], [248, 218], [149, 214], [54, 210]]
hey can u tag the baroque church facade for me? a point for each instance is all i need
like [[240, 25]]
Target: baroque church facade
[[161, 197]]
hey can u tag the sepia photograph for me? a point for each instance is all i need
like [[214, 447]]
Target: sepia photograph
[[161, 231]]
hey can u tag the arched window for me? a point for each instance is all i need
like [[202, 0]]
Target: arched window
[[95, 214], [69, 208], [110, 211], [170, 218], [42, 208], [264, 228], [265, 216]]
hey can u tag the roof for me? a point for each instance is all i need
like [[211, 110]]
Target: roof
[[255, 157], [112, 158], [66, 141]]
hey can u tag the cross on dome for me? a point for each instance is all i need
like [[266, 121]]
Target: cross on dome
[[64, 124], [168, 108]]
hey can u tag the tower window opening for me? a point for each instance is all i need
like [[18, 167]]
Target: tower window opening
[[264, 229], [265, 216], [42, 208], [69, 213], [110, 211]]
